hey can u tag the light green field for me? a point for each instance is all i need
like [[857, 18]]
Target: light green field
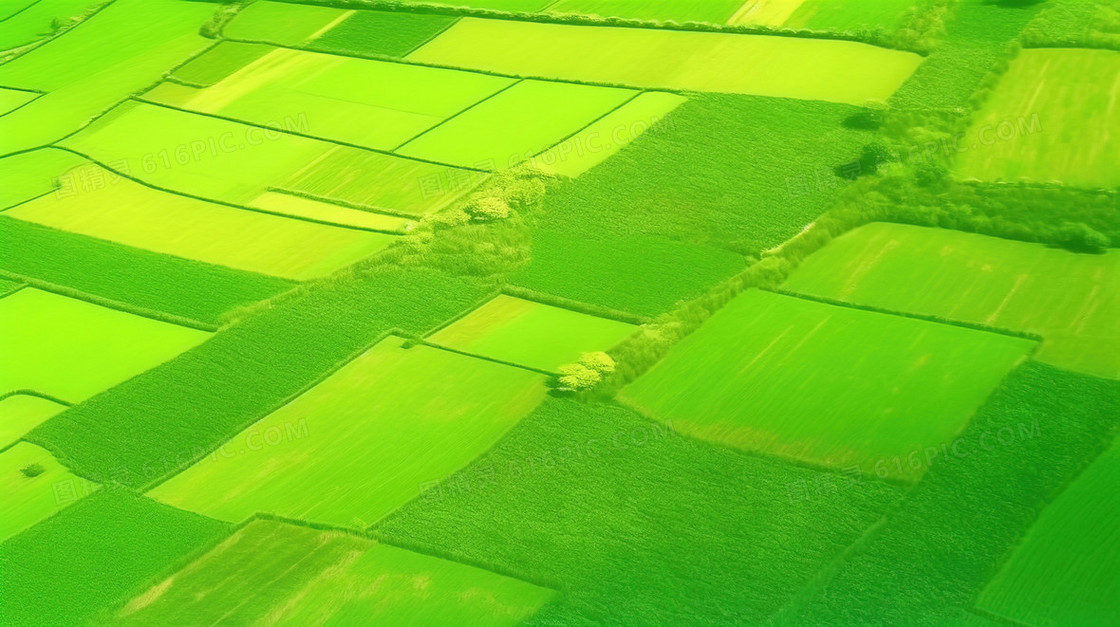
[[91, 67], [382, 182], [1073, 95], [813, 69], [25, 21], [14, 99], [27, 500], [32, 174], [712, 11], [283, 23], [126, 212], [1068, 298], [764, 12], [20, 413], [290, 205], [274, 573], [71, 349], [826, 384], [825, 15], [374, 434], [193, 153], [395, 102], [1065, 571], [531, 334], [516, 124], [607, 135]]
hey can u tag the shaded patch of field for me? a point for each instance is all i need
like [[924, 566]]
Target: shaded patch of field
[[382, 32], [1064, 571], [1067, 298], [1071, 94], [823, 384], [363, 441], [19, 413], [280, 573], [35, 486], [138, 278], [127, 541], [790, 67], [1033, 436], [126, 212], [516, 124], [71, 349], [636, 524], [531, 334], [160, 422]]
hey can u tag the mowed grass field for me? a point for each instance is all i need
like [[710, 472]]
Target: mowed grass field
[[71, 349], [531, 334], [1067, 298], [1065, 569], [1044, 121], [340, 579], [29, 498], [661, 59], [129, 213], [365, 440], [825, 384]]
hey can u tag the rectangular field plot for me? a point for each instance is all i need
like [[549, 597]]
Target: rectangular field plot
[[70, 349], [393, 101], [823, 15], [19, 413], [607, 135], [836, 71], [34, 487], [363, 441], [375, 181], [825, 384], [1068, 298], [320, 211], [1070, 95], [711, 11], [220, 62], [1065, 571], [129, 213], [382, 32], [283, 23], [515, 124], [270, 572], [531, 334]]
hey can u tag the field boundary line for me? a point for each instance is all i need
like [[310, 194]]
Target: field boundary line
[[210, 449], [37, 394], [16, 286], [992, 616], [298, 134], [457, 114], [343, 203], [637, 92], [544, 16], [36, 44], [32, 199], [576, 306], [101, 301], [28, 90], [213, 201], [974, 326], [463, 314], [430, 38], [11, 111], [422, 342], [438, 66], [25, 7]]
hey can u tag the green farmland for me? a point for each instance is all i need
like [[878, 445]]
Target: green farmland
[[559, 312]]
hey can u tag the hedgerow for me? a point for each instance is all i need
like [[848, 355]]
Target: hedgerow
[[1075, 24]]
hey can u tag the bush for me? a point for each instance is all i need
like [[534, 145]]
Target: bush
[[1080, 237], [32, 470], [487, 208]]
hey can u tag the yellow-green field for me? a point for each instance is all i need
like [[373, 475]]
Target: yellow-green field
[[531, 334], [341, 579], [363, 441], [835, 71], [1068, 298], [297, 206], [127, 212], [284, 23], [831, 385], [70, 349], [1055, 116], [19, 413], [34, 486]]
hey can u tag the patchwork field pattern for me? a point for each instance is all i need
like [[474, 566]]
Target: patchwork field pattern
[[1064, 297], [21, 412], [531, 334], [382, 33], [71, 349], [1070, 95], [284, 23], [825, 384], [34, 487], [660, 59], [362, 442], [249, 578]]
